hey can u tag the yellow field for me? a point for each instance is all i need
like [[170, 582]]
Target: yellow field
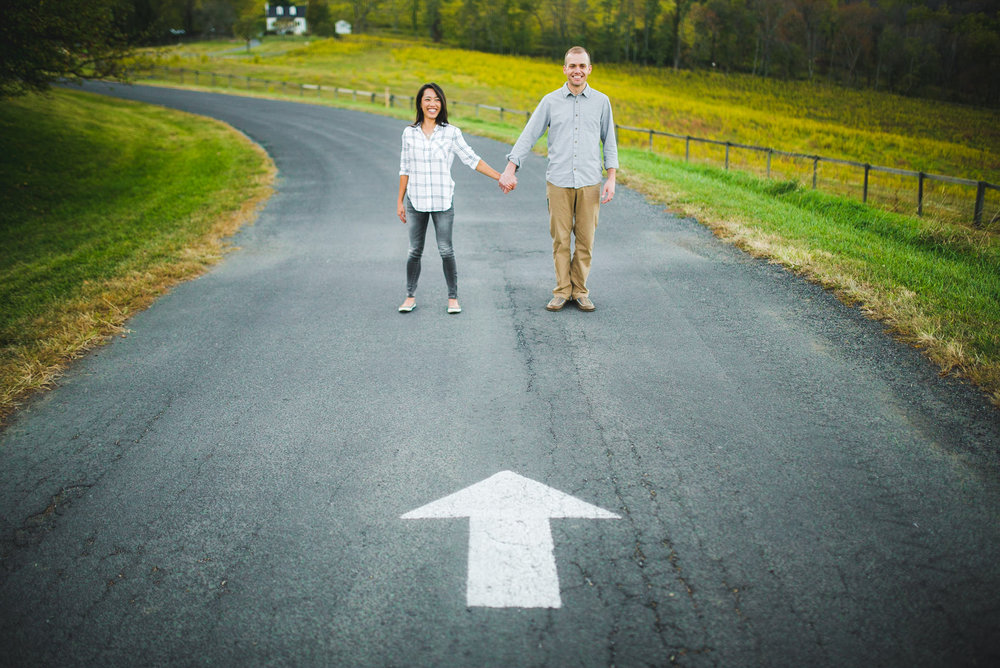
[[800, 117]]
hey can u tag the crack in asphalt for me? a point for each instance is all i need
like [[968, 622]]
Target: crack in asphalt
[[34, 528]]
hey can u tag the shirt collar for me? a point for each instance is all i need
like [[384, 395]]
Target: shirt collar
[[417, 128], [585, 92]]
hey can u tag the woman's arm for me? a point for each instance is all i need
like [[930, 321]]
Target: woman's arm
[[400, 205], [484, 168]]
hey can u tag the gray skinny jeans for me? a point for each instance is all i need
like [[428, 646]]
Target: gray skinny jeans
[[443, 221]]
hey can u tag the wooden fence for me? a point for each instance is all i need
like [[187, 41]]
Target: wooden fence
[[389, 99], [921, 177]]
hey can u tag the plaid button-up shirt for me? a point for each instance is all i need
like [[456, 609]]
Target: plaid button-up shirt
[[427, 163]]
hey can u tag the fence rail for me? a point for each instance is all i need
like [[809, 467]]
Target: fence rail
[[922, 177], [390, 99]]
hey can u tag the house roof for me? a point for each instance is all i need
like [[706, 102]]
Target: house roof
[[272, 10]]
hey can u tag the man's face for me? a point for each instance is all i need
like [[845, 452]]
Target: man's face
[[576, 69]]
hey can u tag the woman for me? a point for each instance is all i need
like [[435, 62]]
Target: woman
[[426, 188]]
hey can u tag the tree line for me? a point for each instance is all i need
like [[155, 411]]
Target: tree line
[[931, 48]]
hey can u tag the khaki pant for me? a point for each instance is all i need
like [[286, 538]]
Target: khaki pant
[[572, 212]]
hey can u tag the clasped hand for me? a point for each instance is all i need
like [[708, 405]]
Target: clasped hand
[[507, 182]]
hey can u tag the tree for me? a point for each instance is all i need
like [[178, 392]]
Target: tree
[[434, 23], [217, 17], [769, 15], [856, 36], [318, 18], [979, 58], [362, 9], [817, 19], [650, 12], [43, 41], [249, 26], [681, 8]]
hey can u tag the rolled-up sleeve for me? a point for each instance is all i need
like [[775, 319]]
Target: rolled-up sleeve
[[464, 151], [405, 158]]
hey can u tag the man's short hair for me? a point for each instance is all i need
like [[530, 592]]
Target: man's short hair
[[574, 50]]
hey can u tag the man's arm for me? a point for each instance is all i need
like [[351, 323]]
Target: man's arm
[[610, 145], [532, 132]]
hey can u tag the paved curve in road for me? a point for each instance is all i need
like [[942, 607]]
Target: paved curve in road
[[227, 484]]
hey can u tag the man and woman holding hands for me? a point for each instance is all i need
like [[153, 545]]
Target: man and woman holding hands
[[579, 122]]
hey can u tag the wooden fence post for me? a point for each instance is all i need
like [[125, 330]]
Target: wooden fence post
[[864, 196], [687, 149], [650, 140], [770, 152], [727, 155], [815, 169], [977, 216], [920, 194]]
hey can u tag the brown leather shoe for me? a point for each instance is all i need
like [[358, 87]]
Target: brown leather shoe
[[584, 303], [556, 304]]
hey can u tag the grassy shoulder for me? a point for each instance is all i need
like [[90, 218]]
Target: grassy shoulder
[[107, 204], [934, 285]]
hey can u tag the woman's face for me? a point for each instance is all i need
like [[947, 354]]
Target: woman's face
[[431, 104]]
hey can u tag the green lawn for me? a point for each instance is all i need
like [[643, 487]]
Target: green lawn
[[106, 203]]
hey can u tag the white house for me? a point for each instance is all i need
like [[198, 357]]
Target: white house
[[342, 27], [282, 11]]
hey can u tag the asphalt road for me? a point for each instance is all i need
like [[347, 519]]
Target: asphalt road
[[227, 484]]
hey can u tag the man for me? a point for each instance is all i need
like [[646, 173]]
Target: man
[[578, 119]]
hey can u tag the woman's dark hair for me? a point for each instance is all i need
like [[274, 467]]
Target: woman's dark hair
[[442, 117]]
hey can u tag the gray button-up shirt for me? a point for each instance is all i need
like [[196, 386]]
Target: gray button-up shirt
[[578, 125]]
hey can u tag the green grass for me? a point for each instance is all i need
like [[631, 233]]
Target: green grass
[[936, 285], [106, 204]]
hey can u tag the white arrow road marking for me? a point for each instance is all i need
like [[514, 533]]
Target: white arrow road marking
[[511, 555]]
